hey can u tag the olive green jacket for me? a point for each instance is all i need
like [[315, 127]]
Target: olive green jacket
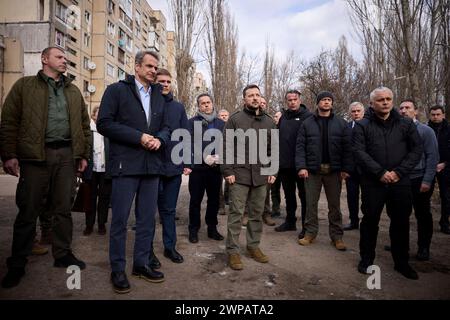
[[24, 120]]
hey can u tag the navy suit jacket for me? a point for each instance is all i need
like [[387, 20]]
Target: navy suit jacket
[[122, 119]]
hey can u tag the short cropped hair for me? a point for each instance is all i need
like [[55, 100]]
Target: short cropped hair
[[437, 107], [379, 89], [163, 72], [47, 50], [141, 54], [292, 91], [250, 86], [410, 100], [354, 104], [201, 96]]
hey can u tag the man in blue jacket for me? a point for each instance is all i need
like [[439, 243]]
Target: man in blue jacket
[[170, 179], [205, 175], [132, 116], [422, 178]]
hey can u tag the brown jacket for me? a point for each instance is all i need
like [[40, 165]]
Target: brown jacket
[[24, 120], [246, 173]]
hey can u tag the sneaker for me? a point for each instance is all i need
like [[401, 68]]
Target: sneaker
[[38, 250], [306, 240], [234, 261], [69, 260], [257, 255], [339, 244]]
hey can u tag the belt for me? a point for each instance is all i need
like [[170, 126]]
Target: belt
[[58, 144]]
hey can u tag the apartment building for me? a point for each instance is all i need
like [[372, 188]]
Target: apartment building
[[100, 37]]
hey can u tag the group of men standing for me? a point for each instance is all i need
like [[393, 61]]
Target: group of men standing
[[389, 155]]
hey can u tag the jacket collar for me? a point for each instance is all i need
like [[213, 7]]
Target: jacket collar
[[41, 75]]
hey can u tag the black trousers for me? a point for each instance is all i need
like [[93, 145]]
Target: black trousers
[[398, 200], [422, 211], [290, 181], [201, 180], [444, 193], [100, 189], [353, 184]]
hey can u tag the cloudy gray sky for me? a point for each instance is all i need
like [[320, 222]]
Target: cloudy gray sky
[[304, 26]]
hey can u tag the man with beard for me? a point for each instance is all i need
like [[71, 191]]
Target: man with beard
[[323, 158], [247, 183]]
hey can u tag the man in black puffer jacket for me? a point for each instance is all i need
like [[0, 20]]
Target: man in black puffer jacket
[[387, 147], [323, 157], [289, 126]]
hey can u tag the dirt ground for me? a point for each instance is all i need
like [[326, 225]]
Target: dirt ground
[[294, 272]]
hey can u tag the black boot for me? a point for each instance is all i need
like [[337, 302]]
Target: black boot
[[214, 234]]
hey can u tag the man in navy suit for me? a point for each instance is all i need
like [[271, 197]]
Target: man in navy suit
[[356, 110], [132, 117]]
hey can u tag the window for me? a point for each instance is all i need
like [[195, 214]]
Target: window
[[128, 60], [126, 19], [111, 28], [71, 51], [72, 64], [60, 39], [137, 31], [86, 39], [85, 86], [61, 12], [86, 63], [137, 18], [111, 7], [121, 56], [120, 74], [71, 76], [87, 17], [110, 70], [110, 49]]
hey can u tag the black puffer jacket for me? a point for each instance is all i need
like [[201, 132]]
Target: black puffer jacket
[[391, 145], [289, 126], [308, 154]]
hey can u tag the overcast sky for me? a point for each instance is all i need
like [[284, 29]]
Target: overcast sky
[[305, 26]]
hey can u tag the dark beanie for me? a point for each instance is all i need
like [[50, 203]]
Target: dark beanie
[[324, 94]]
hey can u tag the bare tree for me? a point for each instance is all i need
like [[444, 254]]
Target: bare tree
[[401, 41], [188, 22], [221, 44]]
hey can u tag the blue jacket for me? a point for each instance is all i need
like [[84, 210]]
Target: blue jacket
[[122, 119], [426, 167], [177, 119], [215, 124]]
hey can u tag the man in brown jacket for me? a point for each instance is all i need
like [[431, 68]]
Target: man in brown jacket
[[244, 170], [44, 139]]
